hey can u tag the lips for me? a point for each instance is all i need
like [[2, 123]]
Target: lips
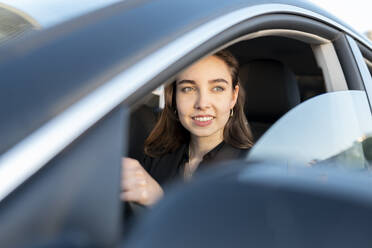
[[203, 120]]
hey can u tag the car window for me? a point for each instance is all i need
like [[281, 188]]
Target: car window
[[297, 135], [329, 127]]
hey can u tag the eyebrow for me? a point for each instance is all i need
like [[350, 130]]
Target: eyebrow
[[217, 80], [186, 81]]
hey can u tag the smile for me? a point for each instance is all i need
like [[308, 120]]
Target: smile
[[202, 121], [201, 118]]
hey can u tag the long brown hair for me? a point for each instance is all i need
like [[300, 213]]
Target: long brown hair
[[168, 133]]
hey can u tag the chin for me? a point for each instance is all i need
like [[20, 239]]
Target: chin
[[203, 133]]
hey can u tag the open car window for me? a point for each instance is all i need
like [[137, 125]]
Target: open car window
[[330, 126]]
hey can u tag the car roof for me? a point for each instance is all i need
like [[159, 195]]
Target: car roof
[[47, 13], [47, 72]]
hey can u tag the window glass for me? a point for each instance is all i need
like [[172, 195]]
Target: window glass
[[330, 127]]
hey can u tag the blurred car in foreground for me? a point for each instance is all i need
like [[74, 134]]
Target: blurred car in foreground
[[77, 96]]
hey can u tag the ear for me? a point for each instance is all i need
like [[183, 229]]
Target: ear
[[235, 96]]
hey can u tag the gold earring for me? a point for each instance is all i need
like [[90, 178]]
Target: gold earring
[[231, 112]]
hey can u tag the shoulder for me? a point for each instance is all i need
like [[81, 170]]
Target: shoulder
[[230, 152], [165, 167], [223, 152]]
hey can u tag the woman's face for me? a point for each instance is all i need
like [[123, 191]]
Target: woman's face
[[204, 97]]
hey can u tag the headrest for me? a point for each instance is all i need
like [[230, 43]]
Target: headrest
[[271, 90]]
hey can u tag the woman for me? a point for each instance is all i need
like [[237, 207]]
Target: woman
[[203, 121]]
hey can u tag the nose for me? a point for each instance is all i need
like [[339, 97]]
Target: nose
[[203, 100]]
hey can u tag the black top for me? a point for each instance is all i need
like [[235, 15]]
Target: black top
[[172, 165]]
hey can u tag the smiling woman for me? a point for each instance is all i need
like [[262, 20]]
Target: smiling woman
[[203, 121]]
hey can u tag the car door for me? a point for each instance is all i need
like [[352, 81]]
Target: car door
[[69, 89], [61, 143]]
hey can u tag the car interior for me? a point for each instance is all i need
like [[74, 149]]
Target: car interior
[[294, 77]]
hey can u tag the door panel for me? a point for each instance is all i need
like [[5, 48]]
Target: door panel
[[74, 199]]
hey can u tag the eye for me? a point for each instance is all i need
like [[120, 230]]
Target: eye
[[187, 89], [218, 89]]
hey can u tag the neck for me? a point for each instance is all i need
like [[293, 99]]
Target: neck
[[199, 146]]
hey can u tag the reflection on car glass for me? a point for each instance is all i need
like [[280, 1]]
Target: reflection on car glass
[[323, 127], [358, 156]]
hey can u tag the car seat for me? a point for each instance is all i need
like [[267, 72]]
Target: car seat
[[271, 91], [142, 121]]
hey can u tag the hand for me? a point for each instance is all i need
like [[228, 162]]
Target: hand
[[137, 185]]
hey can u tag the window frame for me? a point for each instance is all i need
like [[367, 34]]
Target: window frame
[[361, 53]]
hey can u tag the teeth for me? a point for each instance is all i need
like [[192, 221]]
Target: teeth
[[203, 118]]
